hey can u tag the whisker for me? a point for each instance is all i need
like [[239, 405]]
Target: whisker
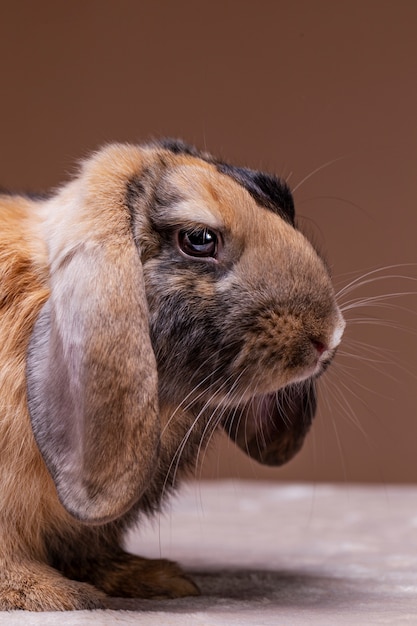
[[381, 301], [185, 407], [318, 169], [357, 382], [334, 388], [373, 276], [339, 199], [377, 322], [222, 408], [385, 356], [176, 458], [340, 449]]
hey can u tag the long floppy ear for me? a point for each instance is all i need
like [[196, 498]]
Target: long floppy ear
[[91, 371], [272, 428]]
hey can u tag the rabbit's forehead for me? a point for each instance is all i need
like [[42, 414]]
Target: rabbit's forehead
[[209, 197]]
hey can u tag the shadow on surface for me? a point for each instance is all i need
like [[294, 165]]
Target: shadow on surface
[[248, 589]]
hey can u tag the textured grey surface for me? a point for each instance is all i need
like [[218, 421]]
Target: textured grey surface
[[266, 554]]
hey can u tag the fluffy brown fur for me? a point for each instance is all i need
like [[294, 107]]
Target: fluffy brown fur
[[124, 347]]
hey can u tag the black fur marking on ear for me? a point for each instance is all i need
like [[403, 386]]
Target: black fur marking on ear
[[266, 189]]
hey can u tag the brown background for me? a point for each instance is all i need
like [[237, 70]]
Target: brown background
[[292, 87]]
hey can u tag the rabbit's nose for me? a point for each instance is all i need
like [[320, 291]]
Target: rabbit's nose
[[320, 346]]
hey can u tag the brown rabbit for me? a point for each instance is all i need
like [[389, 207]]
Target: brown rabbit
[[160, 295]]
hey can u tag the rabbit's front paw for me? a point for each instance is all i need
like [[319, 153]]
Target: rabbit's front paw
[[38, 587], [136, 577]]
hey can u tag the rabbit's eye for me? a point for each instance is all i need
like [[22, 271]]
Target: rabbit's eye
[[201, 242]]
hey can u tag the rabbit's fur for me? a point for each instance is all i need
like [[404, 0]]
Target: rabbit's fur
[[158, 296]]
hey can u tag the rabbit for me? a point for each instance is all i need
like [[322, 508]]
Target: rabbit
[[159, 296]]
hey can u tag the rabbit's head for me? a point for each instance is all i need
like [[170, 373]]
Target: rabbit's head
[[175, 280]]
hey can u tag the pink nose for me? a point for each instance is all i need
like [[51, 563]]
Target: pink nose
[[319, 346]]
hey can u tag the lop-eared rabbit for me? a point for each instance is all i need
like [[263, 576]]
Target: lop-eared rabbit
[[160, 295]]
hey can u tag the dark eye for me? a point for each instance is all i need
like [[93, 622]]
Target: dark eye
[[199, 242]]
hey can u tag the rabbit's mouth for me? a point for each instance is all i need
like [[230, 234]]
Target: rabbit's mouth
[[318, 367], [270, 380]]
